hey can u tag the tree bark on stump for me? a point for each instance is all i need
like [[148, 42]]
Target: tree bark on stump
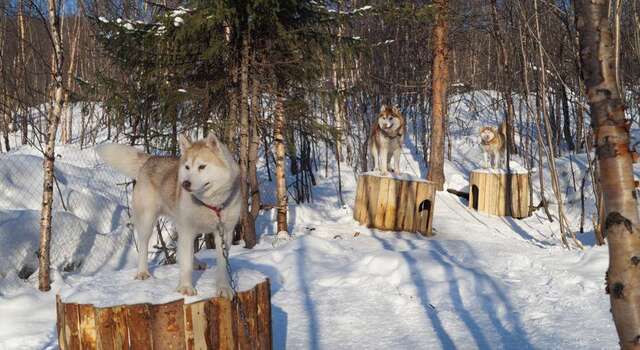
[[215, 323], [489, 193], [394, 204]]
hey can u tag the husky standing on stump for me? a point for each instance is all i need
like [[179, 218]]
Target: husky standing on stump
[[199, 191], [387, 138], [493, 143]]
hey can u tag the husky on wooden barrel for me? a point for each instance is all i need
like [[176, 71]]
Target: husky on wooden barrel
[[385, 198], [494, 145], [387, 139]]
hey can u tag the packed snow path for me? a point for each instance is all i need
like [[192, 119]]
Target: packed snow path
[[481, 282]]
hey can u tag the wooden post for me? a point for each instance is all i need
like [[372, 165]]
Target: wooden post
[[488, 193], [395, 204], [215, 323]]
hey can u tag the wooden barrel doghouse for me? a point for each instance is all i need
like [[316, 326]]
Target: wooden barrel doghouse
[[488, 193], [395, 204], [214, 323]]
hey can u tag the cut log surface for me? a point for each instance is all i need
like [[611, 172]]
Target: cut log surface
[[489, 193], [115, 311], [395, 203]]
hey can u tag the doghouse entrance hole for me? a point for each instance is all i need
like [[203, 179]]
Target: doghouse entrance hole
[[474, 195], [425, 205]]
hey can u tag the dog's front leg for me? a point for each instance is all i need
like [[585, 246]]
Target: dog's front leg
[[185, 260], [222, 274], [486, 159], [383, 156], [374, 153], [396, 160]]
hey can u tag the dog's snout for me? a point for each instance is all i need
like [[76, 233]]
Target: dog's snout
[[186, 184]]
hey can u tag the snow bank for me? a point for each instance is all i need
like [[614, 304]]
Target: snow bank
[[89, 217], [75, 245]]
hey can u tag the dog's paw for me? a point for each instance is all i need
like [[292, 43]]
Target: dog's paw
[[225, 292], [199, 265], [143, 275], [186, 290]]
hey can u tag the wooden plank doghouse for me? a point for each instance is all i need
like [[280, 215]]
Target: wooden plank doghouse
[[488, 192], [395, 204], [212, 323]]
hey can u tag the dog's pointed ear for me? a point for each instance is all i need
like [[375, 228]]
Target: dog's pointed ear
[[184, 142], [383, 108], [395, 110], [212, 140]]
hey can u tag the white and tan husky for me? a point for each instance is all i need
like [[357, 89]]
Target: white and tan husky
[[493, 143], [198, 191], [387, 138]]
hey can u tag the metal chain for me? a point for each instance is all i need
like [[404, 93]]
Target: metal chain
[[234, 287], [128, 206], [415, 173]]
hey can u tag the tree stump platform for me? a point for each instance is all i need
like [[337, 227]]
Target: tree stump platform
[[212, 323], [395, 203], [489, 193]]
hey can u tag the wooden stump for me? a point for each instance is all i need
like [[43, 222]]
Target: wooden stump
[[395, 204], [488, 193], [214, 323]]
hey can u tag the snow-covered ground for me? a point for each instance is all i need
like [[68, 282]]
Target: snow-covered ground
[[481, 282]]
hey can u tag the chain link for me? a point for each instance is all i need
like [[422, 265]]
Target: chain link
[[234, 286]]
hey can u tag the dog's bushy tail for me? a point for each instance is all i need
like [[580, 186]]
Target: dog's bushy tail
[[126, 159], [503, 128]]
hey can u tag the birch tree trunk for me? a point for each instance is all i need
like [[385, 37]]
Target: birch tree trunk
[[247, 220], [615, 163], [22, 34], [281, 181], [4, 103], [55, 110], [338, 107], [439, 84], [616, 24], [566, 118], [579, 100], [67, 117]]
